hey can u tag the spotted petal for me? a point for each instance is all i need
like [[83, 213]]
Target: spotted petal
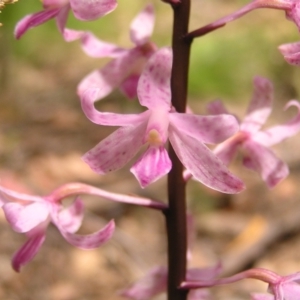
[[88, 10], [154, 85], [116, 150], [208, 129], [203, 164]]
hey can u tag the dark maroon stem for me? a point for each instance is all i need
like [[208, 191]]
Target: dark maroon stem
[[176, 214]]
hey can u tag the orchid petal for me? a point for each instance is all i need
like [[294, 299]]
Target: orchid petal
[[154, 164], [260, 106], [129, 86], [23, 218], [154, 85], [116, 150], [203, 164], [90, 241], [95, 47], [70, 219], [263, 160], [61, 18], [277, 134], [153, 283], [208, 129], [111, 75], [28, 251], [216, 107], [227, 150], [291, 53], [88, 10], [34, 20], [142, 26], [105, 118]]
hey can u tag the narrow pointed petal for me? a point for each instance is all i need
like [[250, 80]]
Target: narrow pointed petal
[[260, 106], [95, 47], [28, 251], [153, 283], [34, 20], [142, 26], [116, 150], [154, 85], [216, 107], [129, 86], [76, 188], [154, 164], [106, 118], [262, 160], [277, 134], [90, 241], [203, 164], [70, 219], [23, 218], [111, 75], [291, 53], [208, 129], [88, 10]]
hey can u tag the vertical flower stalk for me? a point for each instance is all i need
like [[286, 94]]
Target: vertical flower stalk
[[176, 214]]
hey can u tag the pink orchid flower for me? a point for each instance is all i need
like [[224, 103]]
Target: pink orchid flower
[[284, 288], [255, 143], [85, 10], [125, 69], [32, 215], [155, 282], [186, 132]]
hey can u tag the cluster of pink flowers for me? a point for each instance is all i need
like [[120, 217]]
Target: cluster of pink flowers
[[144, 72]]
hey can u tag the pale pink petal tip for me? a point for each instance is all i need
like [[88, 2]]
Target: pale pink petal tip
[[142, 26], [88, 10]]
